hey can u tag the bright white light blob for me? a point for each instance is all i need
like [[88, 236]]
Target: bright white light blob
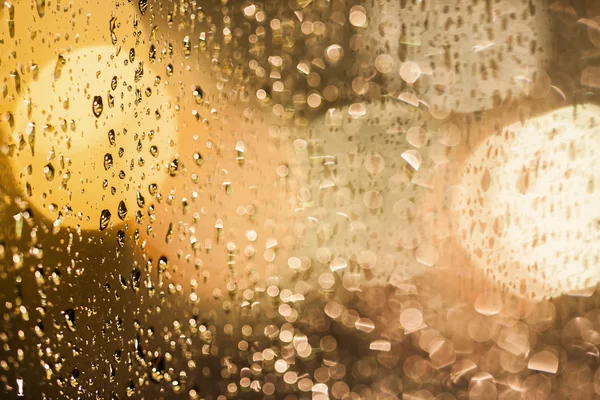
[[527, 209]]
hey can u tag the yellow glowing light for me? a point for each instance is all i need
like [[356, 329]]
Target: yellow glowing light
[[82, 155]]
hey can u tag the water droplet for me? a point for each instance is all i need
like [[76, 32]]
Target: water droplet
[[140, 199], [60, 63], [131, 55], [143, 4], [49, 172], [198, 95], [30, 133], [154, 151], [41, 7], [187, 47], [97, 106], [162, 264], [70, 319], [169, 236], [113, 25], [122, 210], [111, 137], [152, 54], [139, 73], [104, 219], [74, 380], [174, 167], [108, 161], [136, 277], [121, 238]]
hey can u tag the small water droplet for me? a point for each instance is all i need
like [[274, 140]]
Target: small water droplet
[[154, 151], [187, 47], [140, 200], [143, 4], [104, 219], [121, 238], [60, 63], [74, 380], [139, 73], [198, 158], [30, 133], [41, 7], [49, 172], [70, 319], [136, 277], [111, 137], [113, 35], [108, 161], [122, 210], [97, 106], [152, 53], [174, 167], [198, 95]]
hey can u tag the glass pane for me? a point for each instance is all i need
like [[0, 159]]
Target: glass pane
[[313, 199]]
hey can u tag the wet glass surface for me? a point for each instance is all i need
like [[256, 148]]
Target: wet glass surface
[[313, 199]]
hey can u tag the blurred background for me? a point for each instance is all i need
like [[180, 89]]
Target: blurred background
[[312, 199]]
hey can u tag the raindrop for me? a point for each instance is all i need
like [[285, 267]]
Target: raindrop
[[198, 95], [152, 54], [113, 35], [108, 161], [111, 137], [97, 106], [104, 219], [174, 167], [187, 47], [49, 172], [121, 238], [70, 319], [122, 210], [60, 63], [140, 199], [143, 4], [41, 7]]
